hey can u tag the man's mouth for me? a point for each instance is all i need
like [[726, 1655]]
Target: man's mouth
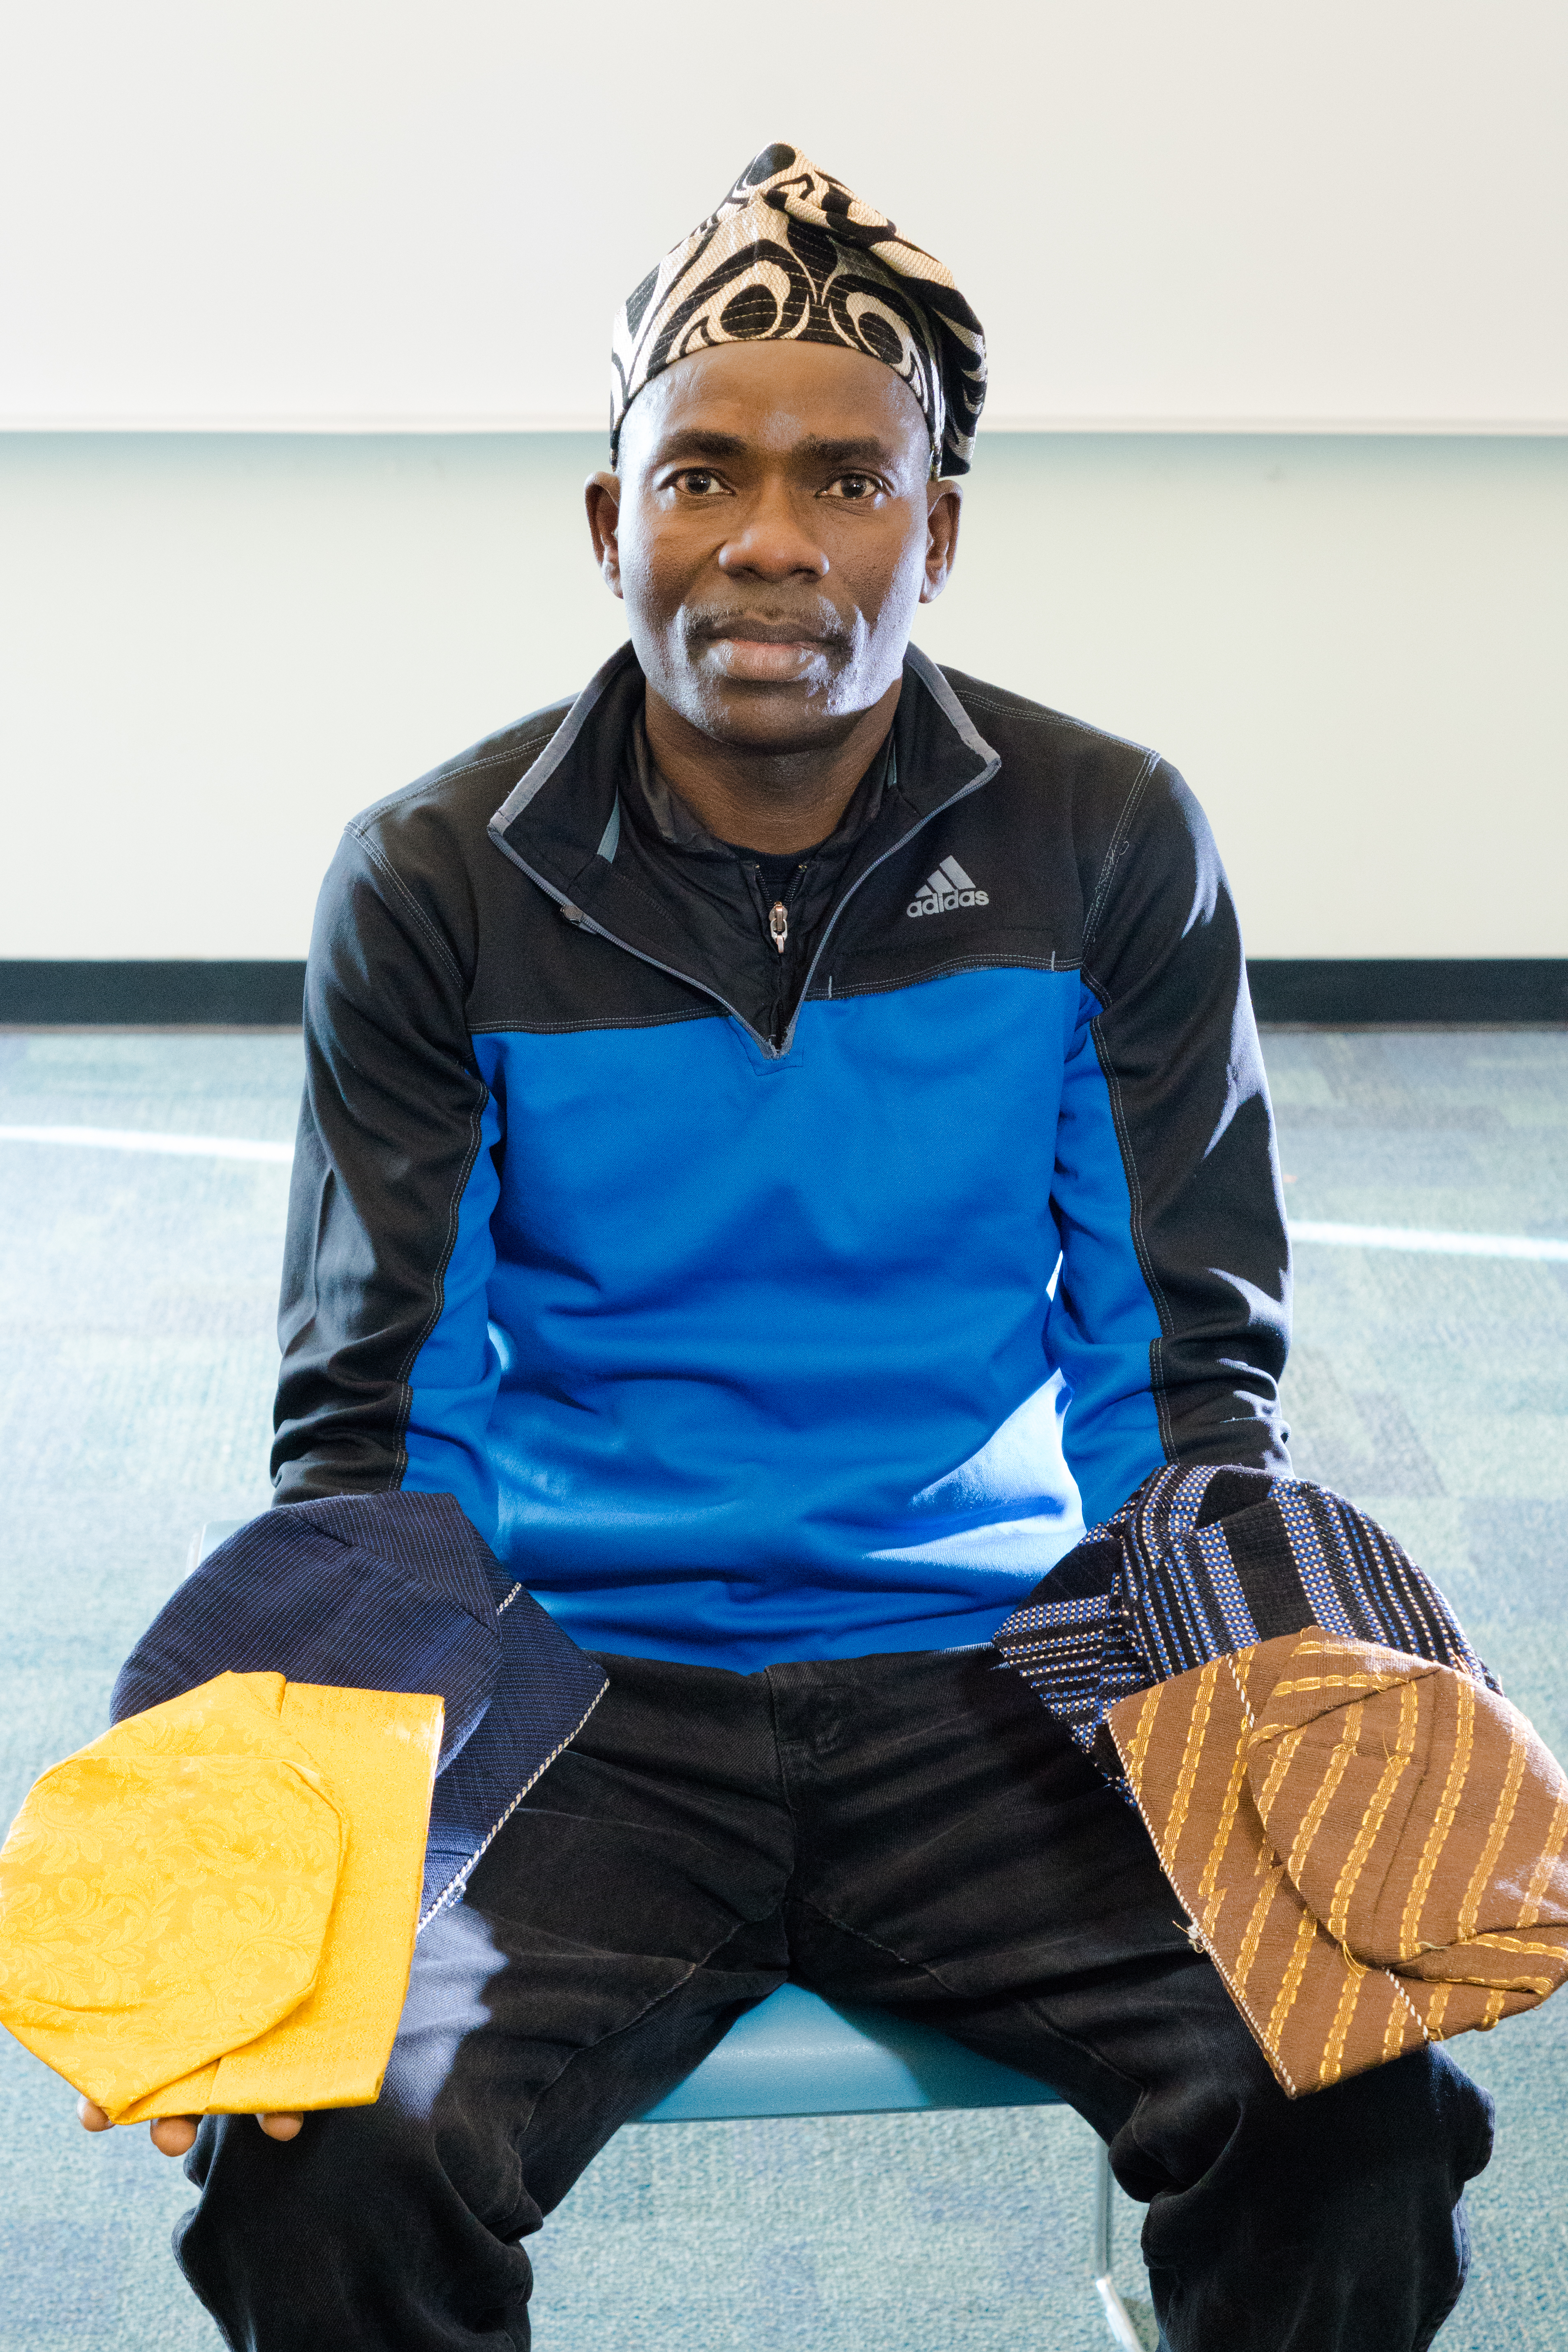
[[765, 652]]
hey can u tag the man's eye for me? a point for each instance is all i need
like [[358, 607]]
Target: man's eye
[[857, 486], [697, 482]]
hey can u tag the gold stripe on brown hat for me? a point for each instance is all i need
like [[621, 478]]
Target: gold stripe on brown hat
[[1369, 1845]]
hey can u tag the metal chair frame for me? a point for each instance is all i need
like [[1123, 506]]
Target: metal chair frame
[[796, 2054]]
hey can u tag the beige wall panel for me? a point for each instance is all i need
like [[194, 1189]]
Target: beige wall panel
[[217, 647]]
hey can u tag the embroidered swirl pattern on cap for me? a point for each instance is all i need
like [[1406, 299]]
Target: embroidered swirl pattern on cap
[[792, 255]]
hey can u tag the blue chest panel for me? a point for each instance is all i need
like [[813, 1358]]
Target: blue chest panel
[[742, 1360]]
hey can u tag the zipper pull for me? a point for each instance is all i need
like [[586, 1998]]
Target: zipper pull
[[778, 924]]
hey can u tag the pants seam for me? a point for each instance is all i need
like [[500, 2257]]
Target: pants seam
[[921, 1968]]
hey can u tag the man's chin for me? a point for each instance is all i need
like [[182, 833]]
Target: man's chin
[[772, 715], [774, 723]]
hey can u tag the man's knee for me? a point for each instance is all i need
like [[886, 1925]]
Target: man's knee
[[374, 2227], [1421, 2113], [1329, 2221]]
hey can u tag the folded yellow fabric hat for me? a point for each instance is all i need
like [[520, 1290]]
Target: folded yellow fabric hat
[[211, 1909], [1369, 1845]]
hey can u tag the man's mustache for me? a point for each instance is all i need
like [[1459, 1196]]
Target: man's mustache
[[820, 626]]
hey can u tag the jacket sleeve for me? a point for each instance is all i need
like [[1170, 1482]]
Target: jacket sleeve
[[387, 1376], [1171, 1319]]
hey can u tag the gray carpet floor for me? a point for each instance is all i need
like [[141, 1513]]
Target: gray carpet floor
[[135, 1378]]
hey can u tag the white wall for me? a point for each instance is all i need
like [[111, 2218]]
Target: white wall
[[217, 647], [356, 210]]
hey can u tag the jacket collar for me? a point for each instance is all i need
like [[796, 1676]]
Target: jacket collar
[[651, 802], [562, 821]]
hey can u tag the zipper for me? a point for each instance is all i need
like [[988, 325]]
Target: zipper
[[774, 1052], [775, 925], [778, 931], [774, 918]]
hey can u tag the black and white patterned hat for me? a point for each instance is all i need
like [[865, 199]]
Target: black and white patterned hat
[[792, 255]]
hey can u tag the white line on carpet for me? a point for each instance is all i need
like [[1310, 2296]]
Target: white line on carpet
[[1413, 1237], [135, 1139]]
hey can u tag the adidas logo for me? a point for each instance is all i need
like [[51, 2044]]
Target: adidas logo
[[948, 888]]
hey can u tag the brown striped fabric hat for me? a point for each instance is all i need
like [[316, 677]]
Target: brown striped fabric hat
[[1369, 1845]]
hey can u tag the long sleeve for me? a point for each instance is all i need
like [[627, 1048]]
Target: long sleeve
[[1170, 1320], [386, 1377]]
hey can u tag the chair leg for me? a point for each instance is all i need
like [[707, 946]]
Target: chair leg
[[1118, 2318]]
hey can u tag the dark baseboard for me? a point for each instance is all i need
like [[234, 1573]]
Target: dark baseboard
[[143, 994], [1410, 991], [1289, 991]]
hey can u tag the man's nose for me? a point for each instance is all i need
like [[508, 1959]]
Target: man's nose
[[773, 540]]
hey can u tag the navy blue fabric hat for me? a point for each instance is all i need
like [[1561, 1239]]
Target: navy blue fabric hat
[[395, 1593]]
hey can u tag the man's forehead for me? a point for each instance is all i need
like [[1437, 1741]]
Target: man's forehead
[[808, 401]]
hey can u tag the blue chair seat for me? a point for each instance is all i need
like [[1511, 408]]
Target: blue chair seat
[[795, 2054]]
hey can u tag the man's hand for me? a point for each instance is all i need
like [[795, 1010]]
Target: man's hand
[[176, 2134]]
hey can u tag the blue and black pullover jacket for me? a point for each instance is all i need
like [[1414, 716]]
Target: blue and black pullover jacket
[[740, 1345]]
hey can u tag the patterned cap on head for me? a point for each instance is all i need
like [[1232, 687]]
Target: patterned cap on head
[[792, 256]]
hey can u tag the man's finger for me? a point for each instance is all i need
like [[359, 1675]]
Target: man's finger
[[176, 2134]]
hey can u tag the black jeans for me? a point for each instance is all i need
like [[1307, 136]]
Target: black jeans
[[913, 1831]]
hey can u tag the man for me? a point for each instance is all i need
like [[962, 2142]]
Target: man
[[786, 1146]]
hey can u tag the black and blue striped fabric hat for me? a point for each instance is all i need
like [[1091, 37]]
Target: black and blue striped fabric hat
[[1207, 1560], [389, 1593]]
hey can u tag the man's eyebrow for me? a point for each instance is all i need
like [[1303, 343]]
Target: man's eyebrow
[[865, 450], [694, 441]]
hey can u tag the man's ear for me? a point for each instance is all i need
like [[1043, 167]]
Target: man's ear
[[602, 493], [945, 501]]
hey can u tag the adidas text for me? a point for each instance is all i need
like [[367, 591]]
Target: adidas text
[[948, 888]]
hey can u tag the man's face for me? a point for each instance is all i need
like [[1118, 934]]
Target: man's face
[[772, 528]]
